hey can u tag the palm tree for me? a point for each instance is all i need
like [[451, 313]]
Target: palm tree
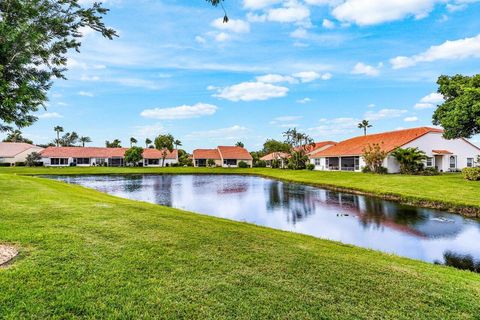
[[177, 143], [132, 141], [364, 125], [84, 140], [148, 142], [58, 129], [410, 159], [239, 144]]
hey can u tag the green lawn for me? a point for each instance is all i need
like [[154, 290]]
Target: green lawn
[[447, 191], [88, 254]]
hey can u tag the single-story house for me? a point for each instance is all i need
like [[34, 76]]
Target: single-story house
[[445, 155], [95, 156], [283, 156], [12, 152], [223, 156]]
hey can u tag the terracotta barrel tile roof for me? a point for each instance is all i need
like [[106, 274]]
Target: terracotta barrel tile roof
[[96, 152], [389, 141], [11, 149], [275, 156], [317, 145], [206, 154], [238, 153]]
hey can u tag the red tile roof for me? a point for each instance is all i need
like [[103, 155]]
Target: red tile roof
[[11, 149], [238, 153], [318, 145], [389, 141], [95, 152], [206, 154], [441, 152], [275, 156]]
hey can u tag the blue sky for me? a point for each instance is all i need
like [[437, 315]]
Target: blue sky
[[318, 65]]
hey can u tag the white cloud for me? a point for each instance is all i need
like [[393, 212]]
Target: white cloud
[[252, 17], [89, 78], [449, 50], [250, 91], [180, 112], [326, 76], [365, 69], [429, 101], [85, 94], [370, 12], [410, 119], [384, 114], [307, 76], [334, 127], [299, 33], [49, 115], [304, 100], [291, 12], [259, 4], [149, 131], [276, 78], [222, 133], [233, 25], [327, 24], [222, 37], [323, 2], [200, 40], [371, 105]]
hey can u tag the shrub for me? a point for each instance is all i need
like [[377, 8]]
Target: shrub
[[430, 171], [472, 174], [211, 163], [32, 159], [366, 169], [242, 164], [19, 164], [374, 155], [261, 164], [410, 160], [310, 166]]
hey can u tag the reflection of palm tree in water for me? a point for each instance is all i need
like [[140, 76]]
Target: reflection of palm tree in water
[[162, 188], [296, 200]]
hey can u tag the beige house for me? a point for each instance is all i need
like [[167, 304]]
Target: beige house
[[223, 156], [12, 152]]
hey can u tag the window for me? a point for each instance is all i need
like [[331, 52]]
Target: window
[[317, 161], [453, 162], [59, 161], [470, 162], [429, 162], [230, 162], [357, 163], [81, 160]]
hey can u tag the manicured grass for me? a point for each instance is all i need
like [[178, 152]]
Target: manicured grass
[[87, 254], [447, 191]]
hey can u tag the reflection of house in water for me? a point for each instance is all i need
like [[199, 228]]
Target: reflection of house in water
[[162, 187], [296, 200], [378, 213]]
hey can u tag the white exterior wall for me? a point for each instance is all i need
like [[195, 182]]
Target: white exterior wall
[[46, 162], [21, 157], [168, 162], [458, 147], [249, 162]]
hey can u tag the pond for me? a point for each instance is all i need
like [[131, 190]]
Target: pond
[[424, 234]]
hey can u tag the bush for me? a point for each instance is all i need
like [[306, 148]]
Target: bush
[[472, 174], [211, 163], [19, 164], [261, 164], [310, 166], [378, 170], [366, 169], [430, 171], [242, 164]]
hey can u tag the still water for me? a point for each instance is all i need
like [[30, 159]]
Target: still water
[[424, 234]]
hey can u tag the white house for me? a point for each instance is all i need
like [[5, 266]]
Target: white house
[[223, 156], [12, 152], [93, 156], [445, 155]]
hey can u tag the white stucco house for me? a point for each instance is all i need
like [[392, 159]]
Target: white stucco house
[[93, 156], [12, 152], [445, 155], [223, 156]]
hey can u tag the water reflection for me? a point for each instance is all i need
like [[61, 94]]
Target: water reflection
[[425, 234]]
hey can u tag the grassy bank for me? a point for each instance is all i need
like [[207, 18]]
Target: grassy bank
[[449, 191], [87, 254]]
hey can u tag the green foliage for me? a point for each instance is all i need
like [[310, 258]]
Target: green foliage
[[240, 144], [134, 155], [211, 163], [148, 143], [114, 144], [84, 140], [365, 124], [374, 155], [310, 166], [459, 115], [243, 164], [272, 145], [164, 143], [260, 164], [32, 159], [410, 159], [35, 39], [300, 144], [16, 136], [184, 159], [472, 174], [69, 139], [429, 171], [19, 164], [133, 141]]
